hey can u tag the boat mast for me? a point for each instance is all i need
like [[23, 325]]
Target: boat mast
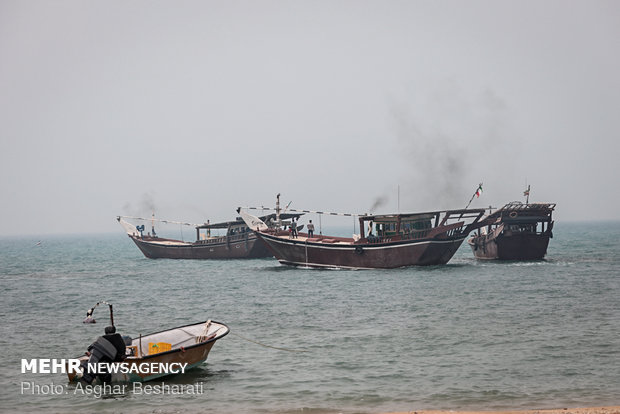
[[526, 193], [153, 224], [476, 194], [278, 211]]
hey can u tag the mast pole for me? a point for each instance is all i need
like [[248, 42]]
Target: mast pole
[[111, 315], [526, 193], [278, 210], [476, 193]]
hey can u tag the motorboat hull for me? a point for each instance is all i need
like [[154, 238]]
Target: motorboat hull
[[190, 352]]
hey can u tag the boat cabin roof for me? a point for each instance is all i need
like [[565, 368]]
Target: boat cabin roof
[[520, 213], [240, 223], [529, 209], [422, 216]]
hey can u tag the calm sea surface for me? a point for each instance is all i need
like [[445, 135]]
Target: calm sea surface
[[467, 335]]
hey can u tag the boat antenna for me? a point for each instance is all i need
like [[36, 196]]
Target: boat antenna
[[89, 313]]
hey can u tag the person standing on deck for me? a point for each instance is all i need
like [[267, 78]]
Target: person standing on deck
[[310, 229], [293, 228]]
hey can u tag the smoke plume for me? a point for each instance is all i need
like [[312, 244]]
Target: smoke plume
[[449, 146]]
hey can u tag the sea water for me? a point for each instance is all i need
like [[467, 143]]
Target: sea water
[[467, 335]]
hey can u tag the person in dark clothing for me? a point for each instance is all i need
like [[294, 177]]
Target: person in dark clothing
[[116, 340], [293, 228], [107, 348]]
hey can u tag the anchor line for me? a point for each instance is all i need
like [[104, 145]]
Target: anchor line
[[267, 346]]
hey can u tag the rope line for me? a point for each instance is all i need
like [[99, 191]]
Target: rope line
[[308, 211], [160, 220], [268, 346]]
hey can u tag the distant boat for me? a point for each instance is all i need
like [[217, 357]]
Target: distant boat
[[517, 231], [189, 344], [398, 240], [237, 243]]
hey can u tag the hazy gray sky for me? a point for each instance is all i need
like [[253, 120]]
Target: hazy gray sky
[[197, 107]]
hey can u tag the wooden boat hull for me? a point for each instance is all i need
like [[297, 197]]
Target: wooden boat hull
[[521, 246], [193, 354], [516, 231], [362, 256], [247, 246]]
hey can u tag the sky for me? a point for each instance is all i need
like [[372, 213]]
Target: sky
[[193, 108]]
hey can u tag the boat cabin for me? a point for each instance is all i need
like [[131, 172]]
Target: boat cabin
[[517, 217], [237, 229], [390, 226], [413, 225], [232, 228]]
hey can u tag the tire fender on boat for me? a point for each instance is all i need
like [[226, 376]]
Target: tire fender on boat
[[513, 214], [359, 250]]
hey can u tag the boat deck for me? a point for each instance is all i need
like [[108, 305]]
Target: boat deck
[[303, 237], [169, 242]]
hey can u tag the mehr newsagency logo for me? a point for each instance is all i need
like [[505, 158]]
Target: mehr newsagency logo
[[73, 366]]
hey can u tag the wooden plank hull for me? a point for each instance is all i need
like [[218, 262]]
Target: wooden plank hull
[[362, 256], [516, 231], [247, 246], [514, 247]]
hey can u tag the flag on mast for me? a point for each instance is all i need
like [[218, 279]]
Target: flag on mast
[[526, 194], [476, 194], [479, 190]]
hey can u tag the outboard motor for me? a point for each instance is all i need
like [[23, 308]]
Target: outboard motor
[[100, 348]]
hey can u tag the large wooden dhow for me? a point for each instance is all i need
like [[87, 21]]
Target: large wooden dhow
[[393, 240], [517, 231], [237, 242]]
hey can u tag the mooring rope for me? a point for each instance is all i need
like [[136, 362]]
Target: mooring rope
[[268, 346]]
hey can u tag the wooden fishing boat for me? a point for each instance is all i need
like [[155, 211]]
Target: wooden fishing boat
[[159, 354], [517, 231], [238, 242], [399, 240]]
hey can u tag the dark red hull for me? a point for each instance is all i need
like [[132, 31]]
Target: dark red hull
[[245, 246], [362, 256], [516, 231], [520, 246]]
